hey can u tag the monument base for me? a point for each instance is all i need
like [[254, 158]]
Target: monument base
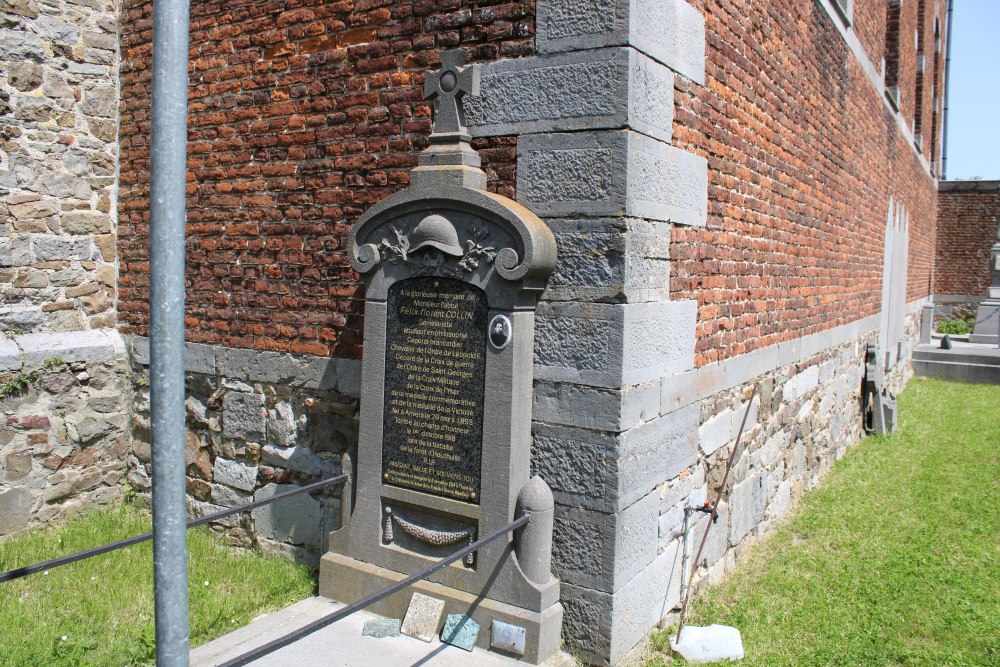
[[988, 318], [347, 580]]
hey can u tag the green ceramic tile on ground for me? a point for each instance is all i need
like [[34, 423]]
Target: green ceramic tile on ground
[[461, 631]]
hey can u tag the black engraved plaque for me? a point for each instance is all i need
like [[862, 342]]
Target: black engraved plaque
[[435, 373]]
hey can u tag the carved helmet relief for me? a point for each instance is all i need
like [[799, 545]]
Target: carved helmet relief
[[436, 231], [433, 248]]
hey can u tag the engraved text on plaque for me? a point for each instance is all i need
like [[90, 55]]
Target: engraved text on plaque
[[435, 369]]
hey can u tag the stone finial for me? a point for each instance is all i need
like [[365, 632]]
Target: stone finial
[[446, 88]]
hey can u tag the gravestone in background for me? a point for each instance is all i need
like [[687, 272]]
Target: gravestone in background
[[987, 327], [452, 274]]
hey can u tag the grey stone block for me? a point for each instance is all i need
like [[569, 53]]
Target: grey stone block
[[723, 428], [236, 474], [299, 459], [243, 416], [25, 317], [596, 408], [671, 523], [587, 623], [609, 472], [16, 251], [21, 45], [746, 504], [779, 504], [140, 350], [641, 403], [655, 452], [611, 173], [717, 541], [671, 31], [580, 465], [597, 89], [225, 496], [15, 509], [277, 368], [801, 384], [645, 600], [588, 630], [199, 358], [298, 519], [348, 377], [603, 551], [90, 345], [613, 345], [610, 260], [49, 248], [10, 359]]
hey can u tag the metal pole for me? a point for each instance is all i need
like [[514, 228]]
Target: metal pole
[[947, 80], [168, 170]]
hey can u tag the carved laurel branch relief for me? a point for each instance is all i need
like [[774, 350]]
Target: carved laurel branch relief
[[431, 536]]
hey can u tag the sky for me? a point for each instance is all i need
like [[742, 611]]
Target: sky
[[974, 95]]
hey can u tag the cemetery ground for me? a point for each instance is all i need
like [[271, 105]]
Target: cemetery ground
[[893, 560], [99, 611]]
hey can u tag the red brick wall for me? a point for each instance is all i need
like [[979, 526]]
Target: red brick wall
[[967, 229], [803, 159], [869, 25], [302, 114]]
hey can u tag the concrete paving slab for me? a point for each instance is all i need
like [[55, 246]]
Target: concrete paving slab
[[342, 644]]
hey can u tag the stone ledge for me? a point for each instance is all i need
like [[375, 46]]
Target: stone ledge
[[89, 345], [585, 90], [306, 371], [694, 385], [981, 186]]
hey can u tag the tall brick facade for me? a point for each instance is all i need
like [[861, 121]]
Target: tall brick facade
[[304, 114], [968, 214], [301, 116], [801, 170]]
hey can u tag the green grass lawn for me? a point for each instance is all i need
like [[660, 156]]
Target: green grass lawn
[[100, 611], [894, 560]]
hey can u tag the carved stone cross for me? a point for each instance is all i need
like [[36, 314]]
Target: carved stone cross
[[446, 87]]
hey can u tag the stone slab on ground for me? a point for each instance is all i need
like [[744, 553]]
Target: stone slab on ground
[[342, 644], [422, 618], [964, 362]]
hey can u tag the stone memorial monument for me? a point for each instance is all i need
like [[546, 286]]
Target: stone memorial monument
[[453, 274], [987, 329]]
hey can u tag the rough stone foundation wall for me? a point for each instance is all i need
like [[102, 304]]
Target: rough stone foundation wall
[[805, 417], [968, 215], [64, 437], [58, 164], [258, 424]]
